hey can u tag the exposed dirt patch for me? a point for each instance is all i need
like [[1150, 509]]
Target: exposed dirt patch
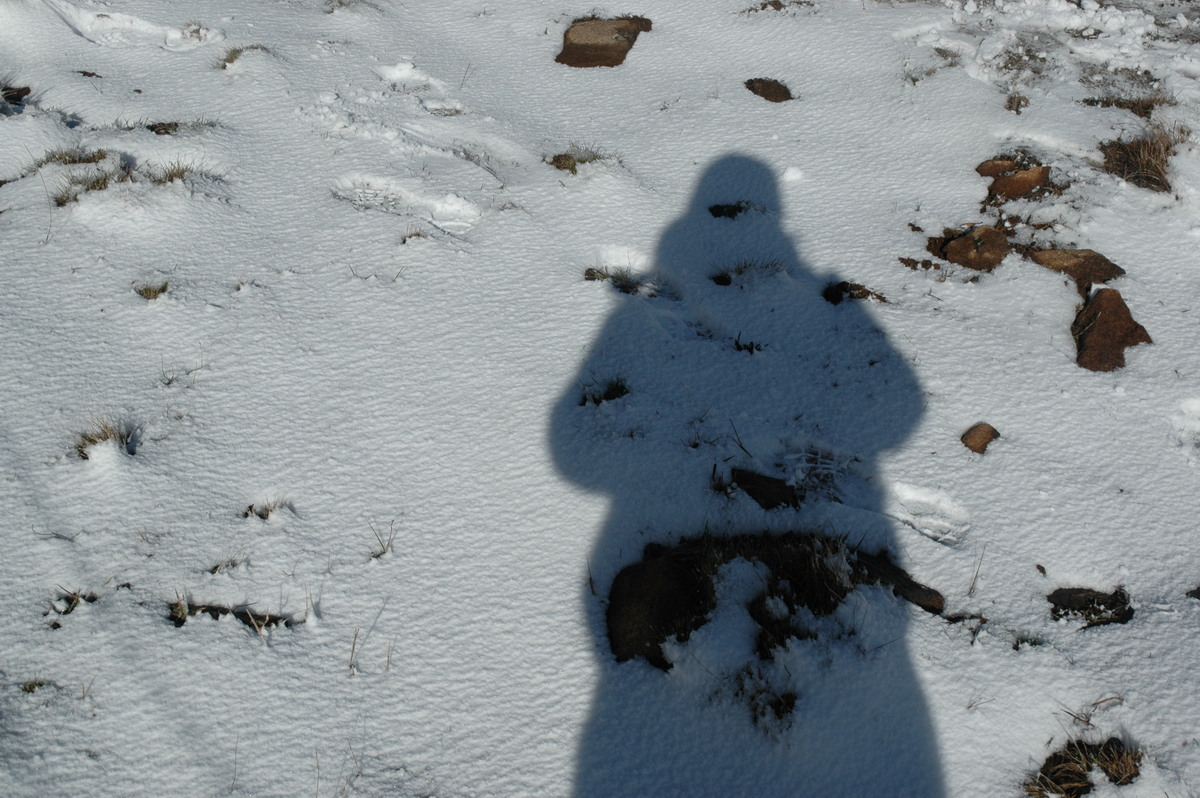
[[163, 128], [592, 42], [1093, 606], [1085, 266], [836, 293], [1103, 329], [179, 612], [980, 248], [925, 264], [769, 89], [979, 436], [671, 592], [1141, 106], [613, 389], [1065, 772]]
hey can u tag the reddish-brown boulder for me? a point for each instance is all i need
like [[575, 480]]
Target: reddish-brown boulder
[[1084, 266], [1103, 329], [980, 248], [600, 42], [1020, 184]]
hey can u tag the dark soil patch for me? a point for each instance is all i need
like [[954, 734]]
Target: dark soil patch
[[613, 389], [14, 95], [670, 592], [1103, 329], [769, 89], [1096, 608], [163, 128], [565, 162], [980, 248], [595, 42], [732, 210], [179, 612], [979, 436], [1194, 593], [1085, 266], [88, 74], [1065, 772], [836, 293]]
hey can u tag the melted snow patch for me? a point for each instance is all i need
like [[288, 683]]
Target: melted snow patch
[[931, 512], [125, 30], [448, 212]]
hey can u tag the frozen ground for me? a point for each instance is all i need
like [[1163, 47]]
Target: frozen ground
[[376, 333]]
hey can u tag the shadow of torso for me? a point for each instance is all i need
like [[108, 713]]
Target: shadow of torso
[[750, 370]]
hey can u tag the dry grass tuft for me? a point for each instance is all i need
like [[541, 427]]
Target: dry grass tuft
[[234, 53], [1066, 771], [101, 430], [1141, 106], [1144, 161], [151, 290], [72, 156]]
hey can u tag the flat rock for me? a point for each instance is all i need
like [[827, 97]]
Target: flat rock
[[1019, 184], [980, 248], [1084, 266], [600, 42], [768, 492], [979, 436], [1103, 329], [769, 89]]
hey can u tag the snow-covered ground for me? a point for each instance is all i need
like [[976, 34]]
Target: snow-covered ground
[[353, 521]]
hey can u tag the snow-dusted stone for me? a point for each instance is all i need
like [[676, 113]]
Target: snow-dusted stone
[[600, 42], [1084, 266], [979, 436], [980, 248], [1103, 329]]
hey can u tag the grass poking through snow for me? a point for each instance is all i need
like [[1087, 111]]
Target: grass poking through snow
[[1144, 161]]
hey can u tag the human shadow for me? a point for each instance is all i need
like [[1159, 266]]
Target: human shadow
[[726, 356]]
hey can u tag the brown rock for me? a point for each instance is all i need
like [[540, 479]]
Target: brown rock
[[1020, 184], [668, 595], [995, 167], [767, 492], [979, 436], [1084, 266], [1102, 330], [769, 89], [980, 248], [600, 42]]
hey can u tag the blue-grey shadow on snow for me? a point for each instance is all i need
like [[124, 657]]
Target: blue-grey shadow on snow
[[761, 374]]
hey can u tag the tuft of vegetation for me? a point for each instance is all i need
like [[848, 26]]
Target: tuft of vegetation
[[124, 434], [151, 290], [1066, 771], [67, 601], [163, 128], [72, 156], [576, 154], [171, 172], [234, 53], [33, 685], [1144, 161], [1016, 103], [385, 543], [1141, 106], [623, 279]]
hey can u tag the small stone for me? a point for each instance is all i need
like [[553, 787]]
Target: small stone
[[980, 248], [996, 167], [979, 436], [1103, 329]]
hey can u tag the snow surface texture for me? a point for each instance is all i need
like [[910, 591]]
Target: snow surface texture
[[356, 407]]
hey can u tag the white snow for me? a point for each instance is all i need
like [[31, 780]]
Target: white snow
[[377, 326]]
